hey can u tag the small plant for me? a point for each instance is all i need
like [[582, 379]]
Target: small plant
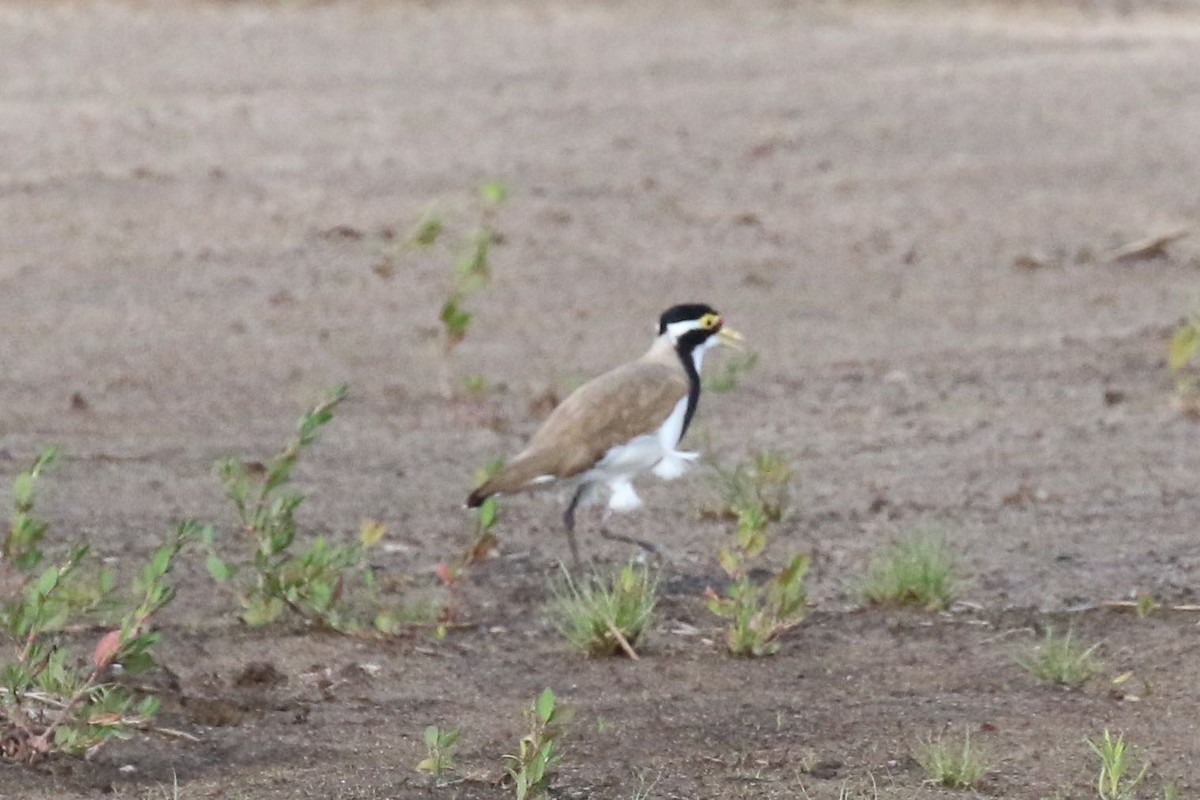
[[758, 488], [22, 546], [645, 788], [1112, 782], [1061, 661], [455, 320], [50, 701], [1145, 604], [537, 753], [604, 617], [429, 228], [1181, 355], [758, 614], [918, 570], [733, 370], [439, 743], [472, 272], [309, 582], [958, 765], [485, 516]]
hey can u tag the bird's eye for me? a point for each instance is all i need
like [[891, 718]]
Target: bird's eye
[[709, 321]]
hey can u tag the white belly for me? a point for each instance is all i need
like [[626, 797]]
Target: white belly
[[617, 469]]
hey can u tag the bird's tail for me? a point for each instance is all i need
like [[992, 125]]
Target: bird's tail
[[520, 473]]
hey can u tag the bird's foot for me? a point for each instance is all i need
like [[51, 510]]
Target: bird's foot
[[617, 537]]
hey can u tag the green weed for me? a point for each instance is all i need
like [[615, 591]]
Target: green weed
[[537, 753], [1061, 661], [310, 582], [439, 743], [733, 370], [1181, 357], [605, 617], [958, 765], [917, 570], [486, 516], [51, 699], [758, 614], [472, 273], [1113, 782], [757, 489], [429, 228], [86, 590], [1145, 604], [22, 546]]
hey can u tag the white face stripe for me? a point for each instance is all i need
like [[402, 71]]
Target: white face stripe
[[677, 329]]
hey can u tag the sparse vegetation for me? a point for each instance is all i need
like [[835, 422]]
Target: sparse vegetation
[[311, 582], [733, 370], [537, 753], [22, 545], [52, 701], [1061, 661], [758, 613], [1114, 781], [472, 272], [439, 743], [485, 516], [606, 616], [1181, 361], [757, 491], [953, 763], [917, 570]]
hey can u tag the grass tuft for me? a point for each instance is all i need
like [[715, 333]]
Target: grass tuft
[[602, 616], [1061, 661], [952, 763], [918, 570], [1113, 781]]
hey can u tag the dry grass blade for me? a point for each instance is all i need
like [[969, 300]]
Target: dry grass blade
[[1150, 247]]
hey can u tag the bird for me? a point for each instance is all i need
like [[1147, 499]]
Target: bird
[[620, 423]]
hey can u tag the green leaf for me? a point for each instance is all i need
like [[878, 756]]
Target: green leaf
[[493, 192], [487, 512], [756, 543], [23, 489], [47, 581], [730, 562], [1184, 345], [262, 611], [371, 532], [428, 230], [473, 266], [161, 562], [217, 568], [431, 736], [545, 705], [454, 318], [136, 663], [720, 606]]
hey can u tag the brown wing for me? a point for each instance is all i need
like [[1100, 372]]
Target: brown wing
[[629, 401], [615, 407]]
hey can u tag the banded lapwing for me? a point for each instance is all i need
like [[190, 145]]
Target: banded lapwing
[[622, 423]]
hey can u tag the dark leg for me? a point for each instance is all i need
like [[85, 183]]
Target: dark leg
[[569, 522], [616, 537]]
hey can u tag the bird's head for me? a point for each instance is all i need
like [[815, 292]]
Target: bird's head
[[696, 325]]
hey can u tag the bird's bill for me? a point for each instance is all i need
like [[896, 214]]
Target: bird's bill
[[730, 338]]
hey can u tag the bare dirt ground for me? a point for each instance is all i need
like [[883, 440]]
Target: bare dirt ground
[[907, 209]]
